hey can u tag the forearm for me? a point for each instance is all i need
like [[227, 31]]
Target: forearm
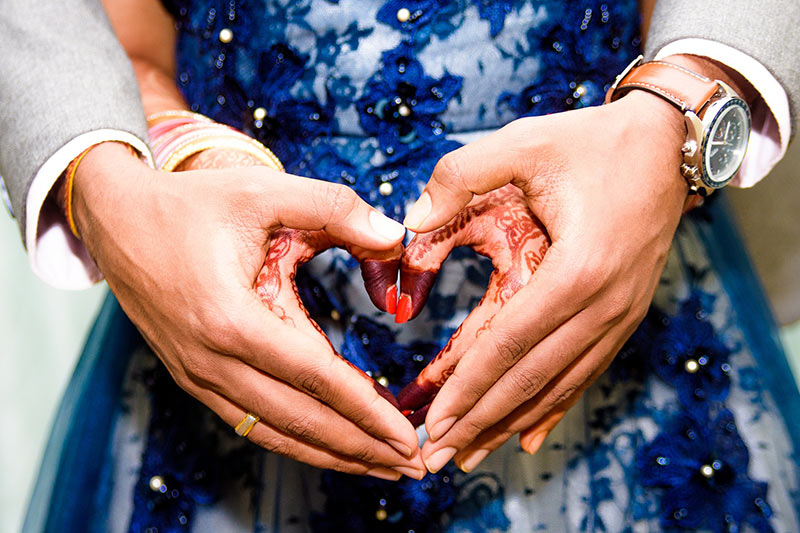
[[62, 75], [147, 34]]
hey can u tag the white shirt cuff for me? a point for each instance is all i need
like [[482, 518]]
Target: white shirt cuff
[[771, 119], [55, 255]]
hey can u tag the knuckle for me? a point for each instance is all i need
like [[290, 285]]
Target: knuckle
[[217, 330], [303, 427], [527, 384], [565, 396], [362, 415], [449, 171], [365, 452], [277, 446], [197, 368], [312, 383], [617, 307], [592, 277], [506, 346], [340, 201]]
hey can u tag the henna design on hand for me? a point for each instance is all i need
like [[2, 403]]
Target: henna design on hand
[[498, 225]]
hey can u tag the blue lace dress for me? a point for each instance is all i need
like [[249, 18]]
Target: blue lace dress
[[692, 427]]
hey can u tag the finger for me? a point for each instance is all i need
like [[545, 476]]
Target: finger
[[304, 418], [505, 231], [311, 204], [379, 272], [540, 307], [311, 365], [521, 383], [543, 411], [463, 173], [273, 440], [276, 286]]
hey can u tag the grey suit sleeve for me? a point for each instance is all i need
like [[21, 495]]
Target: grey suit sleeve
[[766, 31], [62, 73]]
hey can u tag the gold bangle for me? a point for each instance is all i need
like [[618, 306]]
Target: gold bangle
[[244, 427], [239, 142], [175, 113], [71, 170]]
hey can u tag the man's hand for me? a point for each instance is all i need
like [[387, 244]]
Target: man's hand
[[185, 255], [498, 225], [605, 184]]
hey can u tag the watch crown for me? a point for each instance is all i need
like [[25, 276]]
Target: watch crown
[[689, 148], [688, 171]]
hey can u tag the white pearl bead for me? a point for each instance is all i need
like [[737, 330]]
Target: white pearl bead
[[259, 113], [707, 471], [225, 35], [404, 110], [156, 482], [385, 188], [403, 14], [691, 366]]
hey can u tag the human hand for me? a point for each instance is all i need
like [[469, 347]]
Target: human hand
[[498, 225], [605, 183], [184, 253]]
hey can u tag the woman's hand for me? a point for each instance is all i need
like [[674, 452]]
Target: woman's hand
[[498, 225], [185, 252], [605, 183]]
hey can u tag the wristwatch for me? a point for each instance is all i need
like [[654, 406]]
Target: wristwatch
[[717, 119]]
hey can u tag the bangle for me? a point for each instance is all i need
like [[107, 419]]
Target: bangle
[[177, 135], [70, 180], [153, 119], [71, 169]]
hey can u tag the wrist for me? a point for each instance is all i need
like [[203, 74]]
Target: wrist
[[658, 129], [106, 172]]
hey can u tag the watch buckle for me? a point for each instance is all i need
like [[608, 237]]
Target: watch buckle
[[633, 64]]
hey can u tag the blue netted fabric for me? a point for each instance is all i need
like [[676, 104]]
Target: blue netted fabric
[[687, 430]]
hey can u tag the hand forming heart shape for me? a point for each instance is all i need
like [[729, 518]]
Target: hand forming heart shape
[[498, 225]]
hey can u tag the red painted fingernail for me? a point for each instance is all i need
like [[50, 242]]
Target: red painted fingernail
[[391, 299], [403, 309], [406, 412]]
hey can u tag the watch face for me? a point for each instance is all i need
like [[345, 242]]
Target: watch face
[[726, 142]]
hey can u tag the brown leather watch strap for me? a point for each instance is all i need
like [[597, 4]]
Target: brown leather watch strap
[[686, 89]]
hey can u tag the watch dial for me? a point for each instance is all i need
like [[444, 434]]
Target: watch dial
[[727, 142]]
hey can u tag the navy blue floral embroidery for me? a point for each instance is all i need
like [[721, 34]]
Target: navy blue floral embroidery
[[702, 467], [581, 46], [689, 355], [330, 44], [418, 13], [495, 12], [401, 104], [177, 474]]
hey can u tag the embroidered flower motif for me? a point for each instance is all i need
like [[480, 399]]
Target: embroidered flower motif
[[702, 468], [400, 104], [266, 106], [332, 42], [356, 503], [580, 47], [421, 19], [689, 355]]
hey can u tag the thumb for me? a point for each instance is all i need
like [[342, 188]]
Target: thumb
[[310, 204], [475, 168]]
